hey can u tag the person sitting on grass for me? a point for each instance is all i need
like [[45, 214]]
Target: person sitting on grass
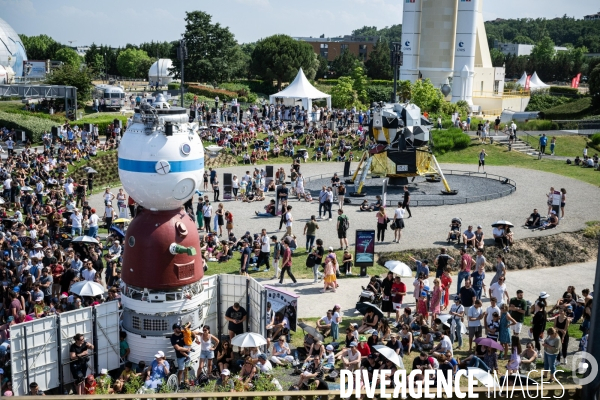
[[469, 237], [550, 223]]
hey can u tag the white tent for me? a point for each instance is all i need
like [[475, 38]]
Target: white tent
[[523, 81], [536, 83], [300, 91], [159, 71]]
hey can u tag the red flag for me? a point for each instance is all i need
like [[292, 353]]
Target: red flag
[[574, 83], [578, 77], [527, 82]]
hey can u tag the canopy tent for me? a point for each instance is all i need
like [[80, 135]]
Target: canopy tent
[[159, 71], [300, 91], [523, 81], [536, 83]]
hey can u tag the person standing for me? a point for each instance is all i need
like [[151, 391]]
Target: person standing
[[109, 214], [236, 316], [265, 251], [181, 352], [482, 155], [286, 262], [289, 219], [215, 186], [442, 261], [382, 224], [322, 200], [466, 261], [563, 200], [343, 224], [310, 230], [207, 214], [277, 247], [341, 195], [517, 307], [552, 145], [474, 316], [399, 222], [93, 224], [543, 143], [245, 258], [406, 201]]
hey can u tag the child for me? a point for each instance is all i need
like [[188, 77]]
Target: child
[[329, 362], [243, 185], [188, 338], [422, 305]]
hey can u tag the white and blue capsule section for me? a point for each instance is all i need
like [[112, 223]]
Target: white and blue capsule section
[[160, 171]]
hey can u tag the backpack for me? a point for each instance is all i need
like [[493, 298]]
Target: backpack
[[311, 261], [345, 223]]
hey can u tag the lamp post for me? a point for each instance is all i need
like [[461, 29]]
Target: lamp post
[[397, 59], [182, 55]]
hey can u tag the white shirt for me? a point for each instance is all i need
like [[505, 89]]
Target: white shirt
[[489, 312], [93, 220], [446, 344], [88, 274], [76, 220], [498, 292], [265, 366], [265, 247], [474, 313], [497, 232], [399, 213], [207, 211], [288, 219]]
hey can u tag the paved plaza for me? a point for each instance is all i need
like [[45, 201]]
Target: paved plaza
[[429, 225]]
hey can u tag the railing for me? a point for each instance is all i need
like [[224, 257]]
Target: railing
[[447, 200], [564, 392]]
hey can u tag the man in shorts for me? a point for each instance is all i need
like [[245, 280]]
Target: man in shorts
[[482, 155], [341, 229], [181, 352], [474, 316], [517, 306]]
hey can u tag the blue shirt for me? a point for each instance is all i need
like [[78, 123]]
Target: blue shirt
[[543, 140], [422, 268], [477, 279]]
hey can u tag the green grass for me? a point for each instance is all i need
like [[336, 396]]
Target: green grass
[[570, 111], [500, 156], [574, 331], [299, 268], [568, 146]]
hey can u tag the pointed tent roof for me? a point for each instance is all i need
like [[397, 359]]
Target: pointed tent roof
[[536, 83], [300, 88], [521, 82]]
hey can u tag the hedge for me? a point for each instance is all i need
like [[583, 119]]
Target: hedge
[[383, 82], [595, 138], [258, 86], [225, 95], [564, 91], [173, 86], [103, 122], [573, 110], [33, 126], [451, 139]]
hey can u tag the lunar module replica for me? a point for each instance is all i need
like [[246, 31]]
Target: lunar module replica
[[161, 164], [401, 147]]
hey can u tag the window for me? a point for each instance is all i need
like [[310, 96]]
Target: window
[[496, 87], [115, 95], [135, 322], [343, 48], [324, 49], [106, 95], [362, 52]]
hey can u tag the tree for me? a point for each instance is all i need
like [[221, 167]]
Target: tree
[[40, 47], [594, 82], [343, 94], [213, 53], [133, 63], [323, 69], [378, 65], [279, 57], [426, 96], [359, 83], [68, 56], [522, 39], [70, 75], [543, 51], [497, 57], [343, 64]]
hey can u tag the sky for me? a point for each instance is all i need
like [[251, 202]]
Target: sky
[[117, 23]]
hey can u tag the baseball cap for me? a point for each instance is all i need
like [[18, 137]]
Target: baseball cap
[[103, 371], [225, 372], [330, 248], [372, 356], [329, 347], [10, 319], [16, 289], [353, 344], [375, 333], [159, 354], [176, 326], [273, 237], [262, 356], [6, 253], [553, 212], [456, 298], [544, 295], [479, 227], [423, 294], [39, 297]]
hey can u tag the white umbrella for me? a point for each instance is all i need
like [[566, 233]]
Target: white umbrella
[[26, 189], [503, 222], [85, 239], [87, 288], [398, 268], [248, 339], [445, 318], [226, 129], [390, 354], [2, 200], [483, 377]]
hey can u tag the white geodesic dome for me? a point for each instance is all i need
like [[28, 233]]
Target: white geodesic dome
[[159, 71], [12, 51]]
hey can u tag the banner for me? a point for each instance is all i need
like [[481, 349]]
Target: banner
[[574, 83], [527, 82], [364, 248], [578, 77]]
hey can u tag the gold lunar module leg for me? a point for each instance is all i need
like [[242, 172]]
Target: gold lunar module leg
[[439, 170], [362, 159]]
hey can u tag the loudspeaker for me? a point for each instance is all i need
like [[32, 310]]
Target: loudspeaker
[[346, 169], [192, 114], [168, 128], [213, 110], [117, 123], [269, 170], [227, 186], [234, 109], [88, 127], [55, 131]]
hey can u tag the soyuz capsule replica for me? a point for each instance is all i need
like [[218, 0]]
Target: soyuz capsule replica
[[161, 165]]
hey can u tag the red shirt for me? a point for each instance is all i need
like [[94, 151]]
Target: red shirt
[[57, 271], [363, 350], [398, 288], [467, 260]]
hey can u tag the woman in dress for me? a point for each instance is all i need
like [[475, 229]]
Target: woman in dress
[[563, 199], [506, 321], [330, 277], [436, 298], [122, 204], [386, 288], [229, 222], [220, 213], [446, 282]]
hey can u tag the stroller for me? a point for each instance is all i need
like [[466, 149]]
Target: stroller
[[455, 230], [369, 296]]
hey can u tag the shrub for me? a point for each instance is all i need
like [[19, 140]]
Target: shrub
[[564, 91], [258, 86], [572, 110], [173, 86], [543, 102], [225, 95], [595, 138], [451, 139], [383, 82], [33, 126], [328, 82], [378, 93], [537, 125]]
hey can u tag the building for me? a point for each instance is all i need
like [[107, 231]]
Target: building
[[12, 52], [445, 41], [330, 48], [593, 17], [521, 49]]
